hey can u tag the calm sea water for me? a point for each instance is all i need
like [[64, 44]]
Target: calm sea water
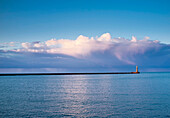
[[140, 95]]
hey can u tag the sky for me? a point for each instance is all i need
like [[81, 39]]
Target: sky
[[84, 35]]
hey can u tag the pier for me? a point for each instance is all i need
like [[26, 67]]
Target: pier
[[94, 73]]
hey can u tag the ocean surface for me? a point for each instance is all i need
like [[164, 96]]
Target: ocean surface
[[119, 96]]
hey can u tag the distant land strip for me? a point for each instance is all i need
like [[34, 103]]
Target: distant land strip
[[18, 74]]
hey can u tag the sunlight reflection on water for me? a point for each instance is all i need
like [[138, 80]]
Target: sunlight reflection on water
[[143, 95]]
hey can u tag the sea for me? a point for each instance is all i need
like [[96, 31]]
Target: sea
[[144, 95]]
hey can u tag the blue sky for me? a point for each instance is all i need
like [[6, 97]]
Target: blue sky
[[57, 34], [32, 20]]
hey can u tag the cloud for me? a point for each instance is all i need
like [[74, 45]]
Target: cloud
[[103, 51], [105, 37], [80, 48]]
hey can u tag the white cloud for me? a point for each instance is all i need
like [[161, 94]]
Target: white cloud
[[51, 42], [83, 47], [26, 45], [105, 37], [134, 39]]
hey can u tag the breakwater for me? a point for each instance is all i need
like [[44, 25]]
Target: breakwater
[[18, 74]]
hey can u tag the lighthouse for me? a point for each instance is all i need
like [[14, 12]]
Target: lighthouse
[[137, 69]]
